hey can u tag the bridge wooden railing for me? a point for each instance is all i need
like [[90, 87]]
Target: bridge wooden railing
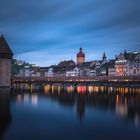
[[80, 78]]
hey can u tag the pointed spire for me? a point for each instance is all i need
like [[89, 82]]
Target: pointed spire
[[104, 57], [125, 53], [80, 49]]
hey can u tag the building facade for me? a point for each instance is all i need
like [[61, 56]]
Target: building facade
[[121, 65], [111, 68], [72, 71], [133, 64], [128, 64]]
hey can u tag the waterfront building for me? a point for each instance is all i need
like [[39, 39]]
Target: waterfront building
[[36, 74], [80, 57], [121, 65], [85, 68], [25, 72], [93, 70], [98, 68], [73, 71], [133, 63], [5, 63], [128, 64], [111, 68], [43, 71], [104, 68], [59, 71], [50, 72]]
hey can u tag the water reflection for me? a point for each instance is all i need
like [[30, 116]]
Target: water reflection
[[83, 89], [76, 109], [27, 98], [5, 114], [121, 106], [123, 101], [81, 103]]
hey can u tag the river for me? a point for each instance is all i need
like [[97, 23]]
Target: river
[[68, 112]]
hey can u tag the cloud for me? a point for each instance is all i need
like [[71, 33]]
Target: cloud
[[62, 26]]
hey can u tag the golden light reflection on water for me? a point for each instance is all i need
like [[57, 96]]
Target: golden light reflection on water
[[70, 89], [81, 89], [52, 88], [121, 106], [58, 88], [89, 89], [96, 89], [118, 98], [102, 88], [46, 88]]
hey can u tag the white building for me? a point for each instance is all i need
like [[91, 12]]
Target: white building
[[25, 72], [93, 70], [73, 71], [50, 72]]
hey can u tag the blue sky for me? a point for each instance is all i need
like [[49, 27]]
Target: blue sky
[[46, 32]]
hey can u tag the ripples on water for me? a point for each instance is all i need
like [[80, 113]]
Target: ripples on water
[[69, 112]]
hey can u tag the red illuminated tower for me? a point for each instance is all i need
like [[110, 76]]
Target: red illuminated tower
[[80, 57]]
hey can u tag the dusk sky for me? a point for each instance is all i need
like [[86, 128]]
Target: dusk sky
[[45, 32]]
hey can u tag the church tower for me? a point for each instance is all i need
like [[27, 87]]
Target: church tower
[[104, 58], [80, 57], [5, 63]]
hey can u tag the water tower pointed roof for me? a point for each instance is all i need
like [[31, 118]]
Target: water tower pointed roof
[[80, 54], [5, 51]]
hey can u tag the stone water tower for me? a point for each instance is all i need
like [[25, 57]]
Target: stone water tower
[[5, 63]]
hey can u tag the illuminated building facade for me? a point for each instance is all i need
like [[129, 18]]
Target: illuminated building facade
[[128, 64], [121, 67]]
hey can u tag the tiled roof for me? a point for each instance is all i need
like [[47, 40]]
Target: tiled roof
[[66, 63], [111, 64], [5, 51], [134, 56], [70, 68], [93, 67]]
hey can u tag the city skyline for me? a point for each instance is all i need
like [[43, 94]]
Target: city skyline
[[48, 32], [75, 59]]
